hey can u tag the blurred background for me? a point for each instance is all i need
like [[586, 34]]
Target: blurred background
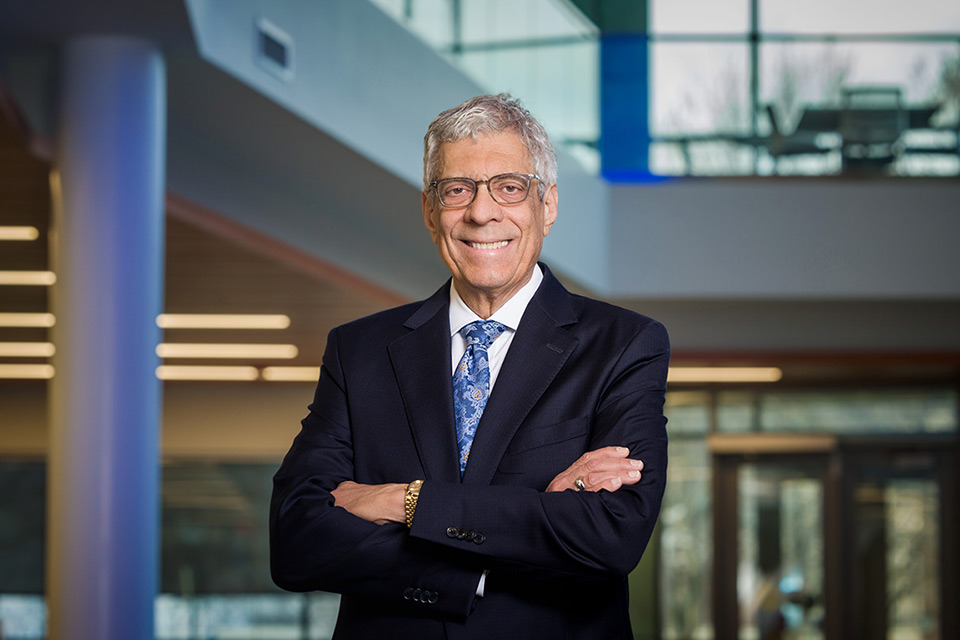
[[194, 192]]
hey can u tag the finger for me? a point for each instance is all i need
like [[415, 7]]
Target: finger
[[611, 481], [595, 460], [602, 453], [599, 465]]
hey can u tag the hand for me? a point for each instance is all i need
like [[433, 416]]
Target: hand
[[377, 503], [607, 468]]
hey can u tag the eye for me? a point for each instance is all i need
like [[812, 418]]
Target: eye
[[455, 191], [510, 188]]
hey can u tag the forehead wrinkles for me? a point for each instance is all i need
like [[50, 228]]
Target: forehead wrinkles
[[478, 154]]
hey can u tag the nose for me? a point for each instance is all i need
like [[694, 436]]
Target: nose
[[484, 208]]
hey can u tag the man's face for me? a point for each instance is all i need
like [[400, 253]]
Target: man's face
[[490, 248]]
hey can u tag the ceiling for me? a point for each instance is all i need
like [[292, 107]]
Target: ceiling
[[212, 266]]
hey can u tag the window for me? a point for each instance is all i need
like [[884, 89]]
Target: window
[[813, 88]]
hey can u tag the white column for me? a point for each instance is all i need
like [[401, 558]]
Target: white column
[[107, 251]]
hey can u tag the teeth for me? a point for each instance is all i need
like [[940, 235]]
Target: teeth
[[489, 245]]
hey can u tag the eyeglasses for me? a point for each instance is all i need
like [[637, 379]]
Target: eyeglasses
[[506, 188]]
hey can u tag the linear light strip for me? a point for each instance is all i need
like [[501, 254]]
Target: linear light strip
[[19, 233], [224, 350], [26, 349], [27, 320], [223, 321], [290, 374], [225, 373], [724, 374], [28, 278], [26, 371]]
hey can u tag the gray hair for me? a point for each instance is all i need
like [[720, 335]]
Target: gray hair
[[484, 115]]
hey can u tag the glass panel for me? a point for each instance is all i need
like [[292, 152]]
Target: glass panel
[[859, 16], [215, 529], [685, 543], [794, 75], [688, 412], [699, 88], [558, 84], [888, 411], [699, 109], [430, 20], [22, 526], [701, 158], [818, 99], [897, 552], [737, 411], [557, 81], [780, 573], [505, 20], [309, 616], [23, 617], [696, 16]]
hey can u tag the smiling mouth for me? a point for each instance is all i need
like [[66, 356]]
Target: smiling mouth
[[489, 245]]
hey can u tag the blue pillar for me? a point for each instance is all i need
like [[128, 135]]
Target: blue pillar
[[624, 98], [107, 251]]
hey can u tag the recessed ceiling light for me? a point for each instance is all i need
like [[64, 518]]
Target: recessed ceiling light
[[223, 321], [291, 374], [185, 372], [26, 371], [26, 349], [27, 320], [28, 278], [232, 351], [19, 233], [724, 374]]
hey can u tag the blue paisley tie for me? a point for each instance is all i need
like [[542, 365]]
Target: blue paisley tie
[[471, 382]]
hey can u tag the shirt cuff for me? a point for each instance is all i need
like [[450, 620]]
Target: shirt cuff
[[482, 583]]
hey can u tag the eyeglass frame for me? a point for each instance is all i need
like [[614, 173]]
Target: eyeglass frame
[[529, 176]]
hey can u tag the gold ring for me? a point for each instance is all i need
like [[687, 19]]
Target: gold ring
[[578, 483]]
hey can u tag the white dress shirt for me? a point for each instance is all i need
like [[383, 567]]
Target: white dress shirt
[[509, 316]]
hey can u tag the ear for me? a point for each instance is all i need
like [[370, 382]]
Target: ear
[[549, 209], [428, 220]]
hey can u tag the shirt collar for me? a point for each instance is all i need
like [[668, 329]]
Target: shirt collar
[[508, 315]]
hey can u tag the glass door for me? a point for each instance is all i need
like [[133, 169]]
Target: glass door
[[853, 542], [895, 544], [781, 559]]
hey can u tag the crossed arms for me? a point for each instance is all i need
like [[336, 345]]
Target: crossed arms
[[607, 468], [330, 533]]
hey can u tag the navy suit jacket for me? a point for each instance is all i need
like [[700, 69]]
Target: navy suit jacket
[[579, 375]]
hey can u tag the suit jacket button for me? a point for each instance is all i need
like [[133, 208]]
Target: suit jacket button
[[408, 593], [434, 596], [470, 536], [461, 535], [415, 596], [452, 532], [479, 537]]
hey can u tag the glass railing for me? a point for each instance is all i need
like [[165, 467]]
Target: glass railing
[[767, 87], [544, 52]]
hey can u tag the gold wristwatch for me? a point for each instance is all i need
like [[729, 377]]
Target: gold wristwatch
[[410, 500]]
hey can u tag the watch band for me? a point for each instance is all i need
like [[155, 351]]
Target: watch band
[[410, 500]]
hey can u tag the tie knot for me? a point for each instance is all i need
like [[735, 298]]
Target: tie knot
[[482, 332]]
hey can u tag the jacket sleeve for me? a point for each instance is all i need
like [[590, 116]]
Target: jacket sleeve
[[584, 533], [315, 545]]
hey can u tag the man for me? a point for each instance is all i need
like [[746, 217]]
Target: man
[[524, 410]]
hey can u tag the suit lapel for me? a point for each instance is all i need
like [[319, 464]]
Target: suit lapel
[[421, 364], [540, 348]]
